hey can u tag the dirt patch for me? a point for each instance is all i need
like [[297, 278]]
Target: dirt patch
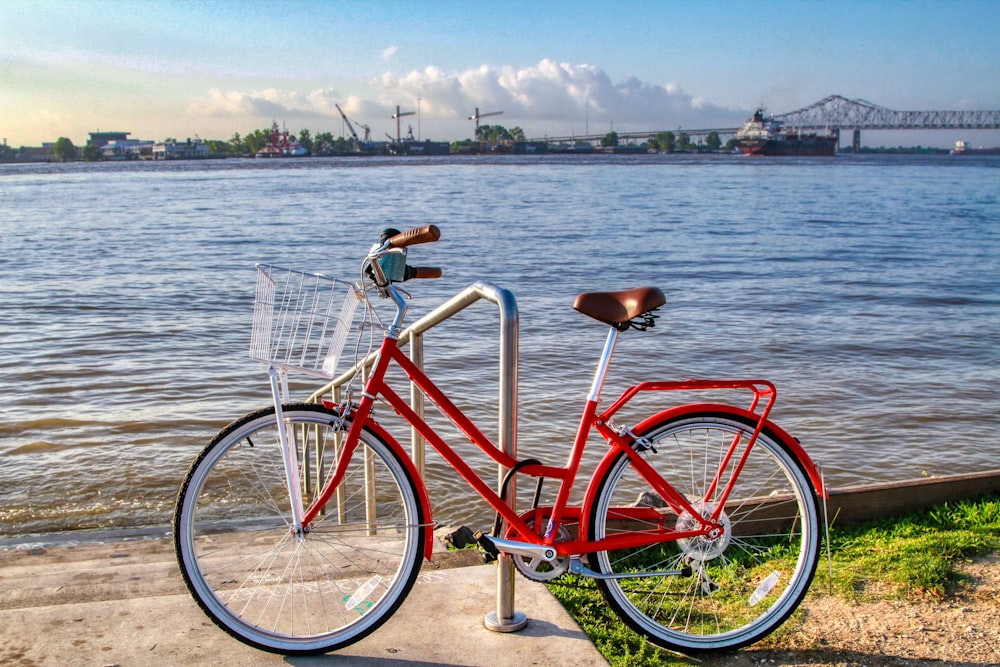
[[962, 630]]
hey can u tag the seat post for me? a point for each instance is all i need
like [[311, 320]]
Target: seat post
[[602, 365]]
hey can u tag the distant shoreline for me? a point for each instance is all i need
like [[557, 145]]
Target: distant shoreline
[[615, 151]]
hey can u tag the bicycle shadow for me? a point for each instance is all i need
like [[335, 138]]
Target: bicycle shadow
[[824, 656], [473, 652], [311, 661]]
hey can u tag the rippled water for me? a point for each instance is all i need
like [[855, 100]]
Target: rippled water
[[866, 287]]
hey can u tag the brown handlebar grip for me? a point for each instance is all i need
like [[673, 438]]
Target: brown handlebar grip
[[426, 271], [414, 236]]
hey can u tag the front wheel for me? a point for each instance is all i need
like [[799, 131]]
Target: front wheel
[[741, 584], [279, 591]]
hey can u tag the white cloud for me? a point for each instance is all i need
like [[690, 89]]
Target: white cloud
[[389, 51], [270, 102], [545, 98], [555, 94]]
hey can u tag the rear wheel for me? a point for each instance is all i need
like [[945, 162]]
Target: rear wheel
[[743, 583], [281, 592]]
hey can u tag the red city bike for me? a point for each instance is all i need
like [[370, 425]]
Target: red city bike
[[700, 525]]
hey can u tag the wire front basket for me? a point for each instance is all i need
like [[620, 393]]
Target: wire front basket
[[301, 321]]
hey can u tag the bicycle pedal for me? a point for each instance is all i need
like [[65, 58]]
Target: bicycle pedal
[[488, 551]]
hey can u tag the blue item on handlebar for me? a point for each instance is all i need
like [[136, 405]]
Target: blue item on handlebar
[[394, 266]]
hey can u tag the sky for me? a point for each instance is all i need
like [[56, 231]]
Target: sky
[[212, 68]]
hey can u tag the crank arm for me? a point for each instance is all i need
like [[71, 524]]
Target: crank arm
[[576, 566], [521, 548]]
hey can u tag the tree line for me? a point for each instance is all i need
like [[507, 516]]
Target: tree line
[[249, 144], [325, 144], [668, 142]]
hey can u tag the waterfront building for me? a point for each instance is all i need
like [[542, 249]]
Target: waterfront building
[[127, 149], [99, 139], [180, 150]]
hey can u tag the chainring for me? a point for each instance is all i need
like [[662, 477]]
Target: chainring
[[539, 569]]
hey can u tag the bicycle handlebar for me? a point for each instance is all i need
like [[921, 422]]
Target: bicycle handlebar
[[386, 262], [422, 272], [426, 234]]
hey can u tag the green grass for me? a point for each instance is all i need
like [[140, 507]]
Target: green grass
[[913, 558]]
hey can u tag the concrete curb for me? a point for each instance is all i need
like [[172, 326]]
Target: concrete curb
[[124, 603]]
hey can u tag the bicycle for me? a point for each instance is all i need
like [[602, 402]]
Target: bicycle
[[700, 524]]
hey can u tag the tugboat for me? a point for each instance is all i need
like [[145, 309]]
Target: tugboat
[[282, 145], [762, 135]]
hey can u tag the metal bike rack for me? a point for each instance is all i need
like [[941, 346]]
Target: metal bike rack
[[505, 618]]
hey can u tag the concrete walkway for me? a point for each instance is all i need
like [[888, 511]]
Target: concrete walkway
[[124, 603]]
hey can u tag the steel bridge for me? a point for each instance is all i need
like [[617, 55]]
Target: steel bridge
[[834, 112]]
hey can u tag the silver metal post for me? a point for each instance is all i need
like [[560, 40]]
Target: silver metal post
[[506, 618], [417, 403]]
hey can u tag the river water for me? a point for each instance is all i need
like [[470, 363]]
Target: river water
[[867, 288]]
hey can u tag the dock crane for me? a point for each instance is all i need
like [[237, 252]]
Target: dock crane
[[399, 114], [357, 141], [476, 116]]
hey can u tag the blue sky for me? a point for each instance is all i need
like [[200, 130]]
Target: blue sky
[[159, 69]]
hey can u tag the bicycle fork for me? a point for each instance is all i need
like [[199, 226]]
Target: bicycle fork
[[289, 451]]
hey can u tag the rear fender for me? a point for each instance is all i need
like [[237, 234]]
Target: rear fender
[[772, 429]]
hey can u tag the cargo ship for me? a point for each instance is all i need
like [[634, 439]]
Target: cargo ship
[[963, 148], [426, 147], [762, 135]]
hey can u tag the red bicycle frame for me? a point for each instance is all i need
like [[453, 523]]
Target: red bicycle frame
[[619, 439]]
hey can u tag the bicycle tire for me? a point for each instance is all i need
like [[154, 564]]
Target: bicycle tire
[[741, 586], [264, 586]]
